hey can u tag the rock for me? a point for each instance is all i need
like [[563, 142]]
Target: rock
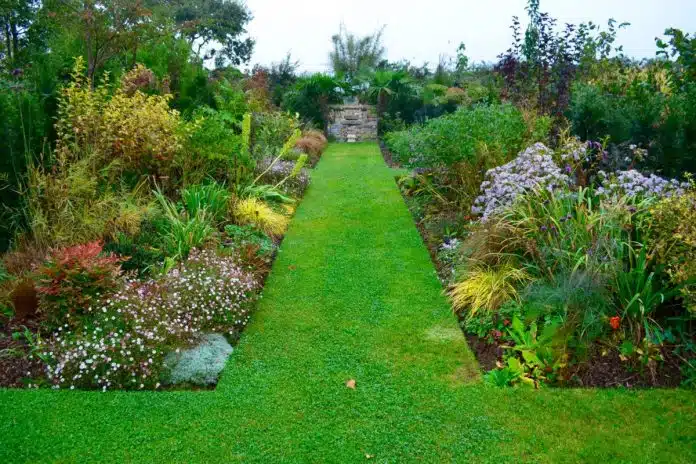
[[353, 123], [200, 365]]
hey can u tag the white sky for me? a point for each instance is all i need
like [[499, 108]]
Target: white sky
[[422, 30]]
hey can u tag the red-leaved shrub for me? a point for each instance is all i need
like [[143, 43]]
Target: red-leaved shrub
[[72, 280]]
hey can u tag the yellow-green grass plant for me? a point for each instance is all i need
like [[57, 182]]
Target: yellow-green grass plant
[[487, 288], [252, 211]]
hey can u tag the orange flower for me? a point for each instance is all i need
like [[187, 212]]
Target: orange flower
[[615, 322]]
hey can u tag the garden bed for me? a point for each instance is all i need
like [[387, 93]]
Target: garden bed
[[600, 370], [608, 361], [144, 246]]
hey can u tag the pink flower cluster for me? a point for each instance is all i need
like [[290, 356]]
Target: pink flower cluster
[[125, 343]]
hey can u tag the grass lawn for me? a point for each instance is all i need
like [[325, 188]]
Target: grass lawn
[[352, 295]]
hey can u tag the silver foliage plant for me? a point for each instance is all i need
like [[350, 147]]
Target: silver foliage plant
[[200, 365]]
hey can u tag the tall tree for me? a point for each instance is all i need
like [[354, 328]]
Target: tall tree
[[108, 28], [16, 17], [354, 55], [214, 29]]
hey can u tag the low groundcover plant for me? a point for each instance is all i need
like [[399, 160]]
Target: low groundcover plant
[[125, 343]]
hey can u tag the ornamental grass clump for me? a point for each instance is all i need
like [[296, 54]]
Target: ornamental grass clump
[[254, 212], [125, 343], [533, 169], [180, 232], [313, 143], [486, 289], [566, 231], [213, 199]]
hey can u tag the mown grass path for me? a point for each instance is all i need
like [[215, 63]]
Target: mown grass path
[[352, 295]]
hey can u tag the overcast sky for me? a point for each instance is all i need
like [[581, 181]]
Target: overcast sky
[[422, 30]]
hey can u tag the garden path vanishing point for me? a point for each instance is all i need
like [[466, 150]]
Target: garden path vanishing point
[[352, 295]]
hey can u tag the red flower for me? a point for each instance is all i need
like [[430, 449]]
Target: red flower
[[615, 322]]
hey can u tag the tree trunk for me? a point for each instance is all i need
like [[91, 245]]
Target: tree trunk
[[15, 40], [8, 42], [381, 103], [89, 40]]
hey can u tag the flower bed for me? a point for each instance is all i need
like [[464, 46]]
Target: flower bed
[[139, 267], [563, 276]]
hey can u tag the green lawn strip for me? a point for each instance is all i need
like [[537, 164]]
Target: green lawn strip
[[352, 295]]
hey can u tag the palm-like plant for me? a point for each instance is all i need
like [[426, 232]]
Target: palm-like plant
[[385, 84]]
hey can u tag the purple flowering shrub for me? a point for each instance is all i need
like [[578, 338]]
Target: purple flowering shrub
[[449, 256], [586, 161], [533, 169], [125, 343], [634, 184]]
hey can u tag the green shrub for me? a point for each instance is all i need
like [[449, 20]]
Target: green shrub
[[141, 253], [25, 122], [671, 236], [641, 114], [270, 132], [595, 115], [212, 147], [463, 135], [458, 149], [675, 152], [311, 96]]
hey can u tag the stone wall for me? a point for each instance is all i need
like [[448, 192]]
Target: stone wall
[[353, 123]]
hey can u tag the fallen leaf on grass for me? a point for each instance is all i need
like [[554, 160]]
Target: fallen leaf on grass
[[369, 456], [351, 384], [292, 267]]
